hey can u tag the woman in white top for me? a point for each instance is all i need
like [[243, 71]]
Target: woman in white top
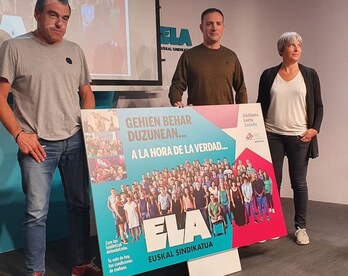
[[213, 189], [291, 103]]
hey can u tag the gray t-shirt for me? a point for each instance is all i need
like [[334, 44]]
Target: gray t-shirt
[[45, 80]]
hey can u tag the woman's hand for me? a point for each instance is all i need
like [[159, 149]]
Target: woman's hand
[[308, 135]]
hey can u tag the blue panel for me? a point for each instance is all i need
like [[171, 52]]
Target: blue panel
[[104, 99]]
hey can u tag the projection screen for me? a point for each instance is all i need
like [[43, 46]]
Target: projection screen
[[120, 38]]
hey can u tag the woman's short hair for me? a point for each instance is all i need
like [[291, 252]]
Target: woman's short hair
[[286, 38]]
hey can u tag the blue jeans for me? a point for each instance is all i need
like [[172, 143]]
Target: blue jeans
[[144, 215], [262, 204], [205, 215], [116, 225], [249, 206], [227, 213], [297, 154], [69, 157]]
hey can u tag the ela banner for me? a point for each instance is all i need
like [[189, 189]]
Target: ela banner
[[174, 184]]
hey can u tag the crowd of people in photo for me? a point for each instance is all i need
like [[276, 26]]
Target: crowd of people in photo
[[102, 146], [106, 172], [236, 195]]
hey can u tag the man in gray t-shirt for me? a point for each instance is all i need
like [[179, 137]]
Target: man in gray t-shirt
[[48, 76]]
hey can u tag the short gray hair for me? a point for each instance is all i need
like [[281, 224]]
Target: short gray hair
[[40, 4], [286, 38]]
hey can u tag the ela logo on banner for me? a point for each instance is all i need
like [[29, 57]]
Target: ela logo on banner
[[169, 36]]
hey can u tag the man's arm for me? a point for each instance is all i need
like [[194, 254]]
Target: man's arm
[[27, 142], [169, 202], [109, 205], [87, 97], [239, 84], [159, 205], [194, 203], [179, 82], [6, 114]]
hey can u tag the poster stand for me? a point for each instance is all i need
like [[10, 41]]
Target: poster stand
[[215, 265]]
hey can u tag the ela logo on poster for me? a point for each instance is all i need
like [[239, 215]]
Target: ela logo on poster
[[162, 229]]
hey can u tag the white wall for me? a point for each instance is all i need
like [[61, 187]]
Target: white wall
[[252, 29]]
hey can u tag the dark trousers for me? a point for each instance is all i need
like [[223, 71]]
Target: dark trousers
[[297, 153]]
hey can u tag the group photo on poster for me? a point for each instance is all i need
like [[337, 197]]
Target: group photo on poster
[[167, 190]]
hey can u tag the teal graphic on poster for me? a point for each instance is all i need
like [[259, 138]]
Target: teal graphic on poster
[[162, 182]]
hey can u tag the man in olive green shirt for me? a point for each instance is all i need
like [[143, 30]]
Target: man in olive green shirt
[[209, 71]]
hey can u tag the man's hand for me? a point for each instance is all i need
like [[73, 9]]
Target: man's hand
[[29, 144], [179, 104]]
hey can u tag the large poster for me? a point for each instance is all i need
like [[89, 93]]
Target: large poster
[[173, 184]]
